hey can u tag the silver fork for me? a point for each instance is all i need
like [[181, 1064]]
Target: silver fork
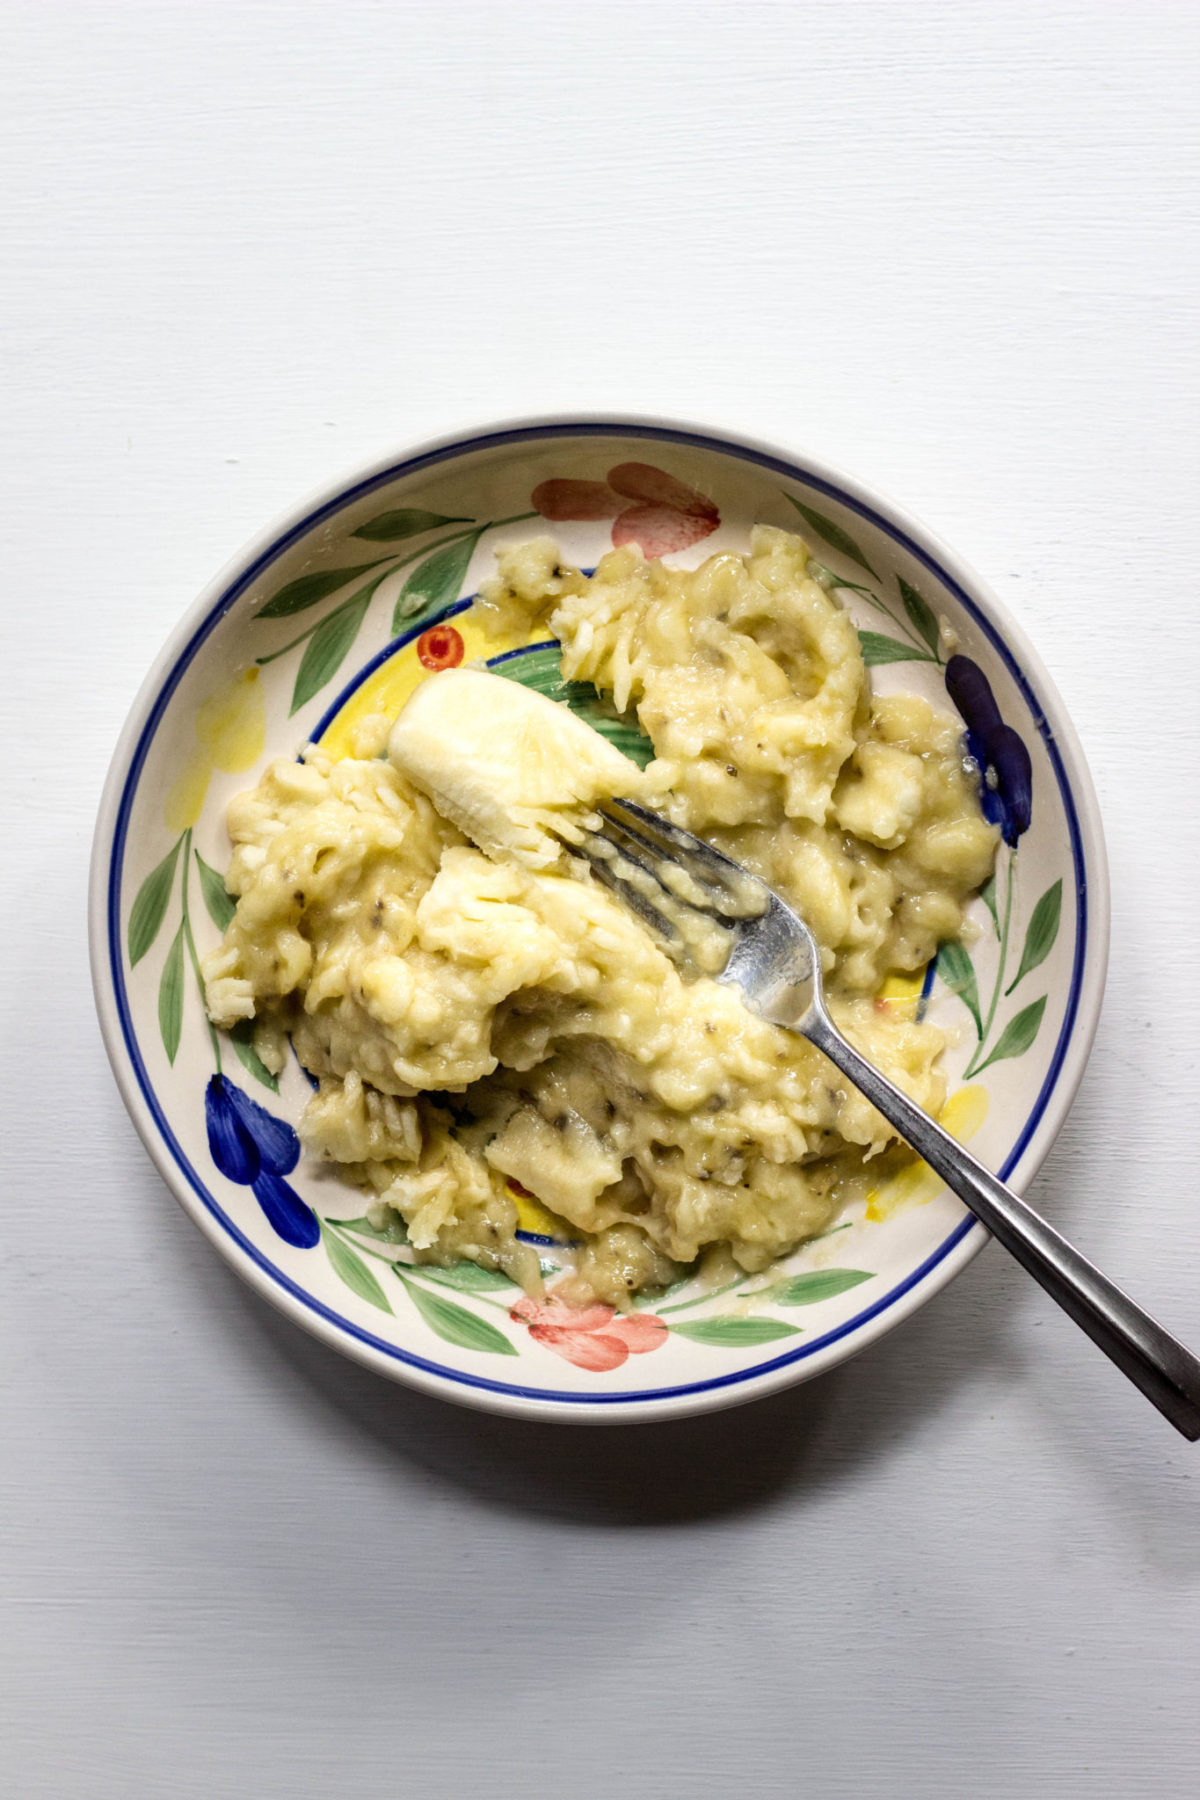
[[658, 868]]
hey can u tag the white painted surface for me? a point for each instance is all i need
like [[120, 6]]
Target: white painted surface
[[953, 246]]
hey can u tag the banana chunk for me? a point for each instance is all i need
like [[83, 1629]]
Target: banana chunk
[[512, 769]]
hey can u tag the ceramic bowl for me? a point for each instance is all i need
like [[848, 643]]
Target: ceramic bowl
[[339, 609]]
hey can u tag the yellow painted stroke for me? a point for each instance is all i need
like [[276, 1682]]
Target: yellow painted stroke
[[231, 724], [916, 1185], [902, 992], [386, 690], [533, 1216], [186, 797]]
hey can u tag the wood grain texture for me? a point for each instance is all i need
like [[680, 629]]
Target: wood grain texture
[[953, 246]]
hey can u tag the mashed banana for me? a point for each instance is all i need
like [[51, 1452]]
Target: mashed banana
[[476, 1017]]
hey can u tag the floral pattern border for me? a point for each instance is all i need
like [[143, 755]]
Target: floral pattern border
[[252, 1147]]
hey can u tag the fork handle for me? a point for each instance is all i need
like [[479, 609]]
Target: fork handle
[[1163, 1368]]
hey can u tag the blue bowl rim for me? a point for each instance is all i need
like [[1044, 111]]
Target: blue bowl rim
[[1047, 717]]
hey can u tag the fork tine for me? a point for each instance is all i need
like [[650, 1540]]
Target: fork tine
[[675, 880], [601, 862], [744, 894]]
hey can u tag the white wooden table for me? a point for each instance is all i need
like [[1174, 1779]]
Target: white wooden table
[[952, 246]]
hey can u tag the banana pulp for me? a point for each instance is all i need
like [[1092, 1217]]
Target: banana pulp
[[506, 765], [477, 1011]]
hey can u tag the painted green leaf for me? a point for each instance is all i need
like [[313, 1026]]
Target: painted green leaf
[[299, 595], [327, 647], [467, 1276], [455, 1324], [242, 1039], [987, 894], [958, 972], [1018, 1034], [833, 535], [146, 914], [876, 648], [920, 612], [170, 996], [830, 579], [1043, 929], [731, 1333], [353, 1271], [217, 898], [818, 1284], [541, 669], [436, 582], [651, 1298], [832, 1232], [394, 1232], [404, 522], [626, 738]]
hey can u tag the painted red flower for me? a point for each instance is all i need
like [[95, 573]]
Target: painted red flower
[[666, 514], [591, 1337], [440, 648]]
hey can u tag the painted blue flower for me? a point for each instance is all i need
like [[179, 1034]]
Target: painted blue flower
[[256, 1150], [1005, 771]]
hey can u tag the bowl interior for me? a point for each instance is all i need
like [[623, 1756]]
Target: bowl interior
[[340, 612]]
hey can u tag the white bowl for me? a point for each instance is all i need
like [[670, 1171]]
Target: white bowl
[[226, 694]]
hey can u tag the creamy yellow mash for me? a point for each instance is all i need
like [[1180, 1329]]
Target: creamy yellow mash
[[479, 1014]]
